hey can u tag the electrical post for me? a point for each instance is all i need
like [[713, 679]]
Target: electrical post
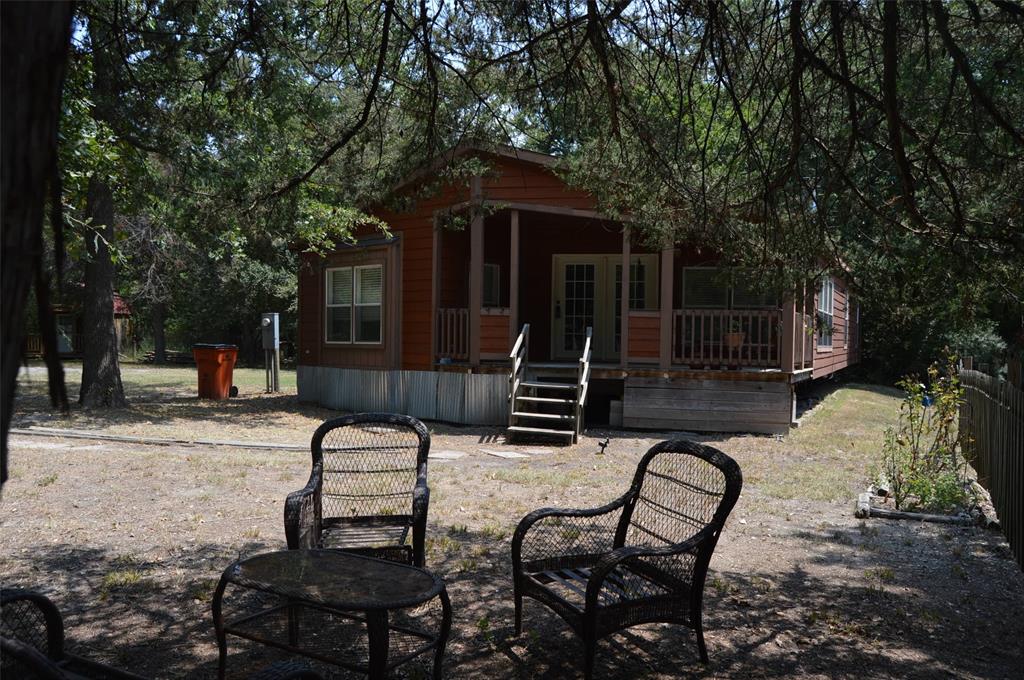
[[271, 350]]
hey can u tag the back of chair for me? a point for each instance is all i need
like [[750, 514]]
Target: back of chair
[[683, 488], [370, 463]]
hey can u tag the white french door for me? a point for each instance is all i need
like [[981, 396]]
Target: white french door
[[586, 292]]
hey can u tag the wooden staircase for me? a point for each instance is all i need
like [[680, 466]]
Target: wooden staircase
[[546, 409]]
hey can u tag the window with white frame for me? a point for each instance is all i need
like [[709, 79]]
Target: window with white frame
[[826, 297], [355, 304], [846, 324]]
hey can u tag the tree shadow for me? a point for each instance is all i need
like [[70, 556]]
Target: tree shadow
[[887, 618]]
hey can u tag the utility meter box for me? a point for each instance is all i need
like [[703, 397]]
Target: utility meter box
[[271, 331]]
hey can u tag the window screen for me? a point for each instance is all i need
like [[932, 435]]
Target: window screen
[[705, 287], [339, 305], [492, 285]]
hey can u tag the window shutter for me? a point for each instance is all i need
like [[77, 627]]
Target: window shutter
[[340, 288], [370, 285], [705, 287]]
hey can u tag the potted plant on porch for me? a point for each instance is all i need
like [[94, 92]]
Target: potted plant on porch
[[735, 337]]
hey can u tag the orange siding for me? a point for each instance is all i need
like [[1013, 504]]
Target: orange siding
[[494, 335], [521, 182], [309, 323], [417, 232], [644, 335]]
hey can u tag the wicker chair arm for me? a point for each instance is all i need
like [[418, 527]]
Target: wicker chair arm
[[301, 514], [23, 657], [420, 500], [628, 553], [420, 504], [19, 627], [539, 516]]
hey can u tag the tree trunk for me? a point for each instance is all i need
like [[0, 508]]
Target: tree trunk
[[159, 338], [34, 40], [101, 372]]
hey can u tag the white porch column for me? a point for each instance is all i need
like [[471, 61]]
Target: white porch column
[[513, 278], [624, 305], [435, 288], [666, 298], [476, 268], [787, 346]]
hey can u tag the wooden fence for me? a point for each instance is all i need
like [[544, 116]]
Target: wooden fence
[[993, 418]]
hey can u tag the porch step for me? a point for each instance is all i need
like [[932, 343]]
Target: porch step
[[519, 429], [547, 400], [542, 416], [549, 386]]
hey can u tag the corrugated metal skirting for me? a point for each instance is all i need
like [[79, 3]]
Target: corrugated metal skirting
[[467, 398]]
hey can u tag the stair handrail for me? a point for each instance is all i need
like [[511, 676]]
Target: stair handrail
[[519, 356], [583, 381]]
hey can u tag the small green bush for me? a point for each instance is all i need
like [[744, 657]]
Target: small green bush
[[922, 458]]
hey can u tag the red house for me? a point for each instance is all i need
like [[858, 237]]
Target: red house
[[538, 312]]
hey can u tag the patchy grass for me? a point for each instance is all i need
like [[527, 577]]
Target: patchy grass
[[827, 458]]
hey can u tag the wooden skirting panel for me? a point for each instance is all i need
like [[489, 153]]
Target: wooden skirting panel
[[707, 405]]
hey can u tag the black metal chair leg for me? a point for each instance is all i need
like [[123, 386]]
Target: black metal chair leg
[[446, 626], [218, 627], [698, 630], [589, 652], [519, 614], [377, 631]]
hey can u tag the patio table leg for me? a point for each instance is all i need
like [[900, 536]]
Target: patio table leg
[[446, 626], [218, 627], [377, 631]]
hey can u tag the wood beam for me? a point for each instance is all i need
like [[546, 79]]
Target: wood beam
[[667, 306], [513, 278], [624, 302], [476, 268], [435, 288], [787, 345]]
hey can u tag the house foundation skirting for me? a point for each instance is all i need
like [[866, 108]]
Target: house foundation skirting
[[708, 405], [463, 398]]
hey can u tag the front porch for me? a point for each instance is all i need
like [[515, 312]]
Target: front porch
[[565, 270]]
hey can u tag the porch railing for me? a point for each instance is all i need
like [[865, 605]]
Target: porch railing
[[805, 343], [727, 337], [34, 344], [453, 333]]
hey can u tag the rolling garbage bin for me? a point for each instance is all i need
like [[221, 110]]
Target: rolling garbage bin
[[215, 364]]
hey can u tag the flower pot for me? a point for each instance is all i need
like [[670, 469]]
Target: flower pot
[[734, 340]]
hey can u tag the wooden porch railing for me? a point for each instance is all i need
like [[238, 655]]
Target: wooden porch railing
[[519, 356], [34, 345], [699, 337], [453, 333], [805, 343], [583, 383]]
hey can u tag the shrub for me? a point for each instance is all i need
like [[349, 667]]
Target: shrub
[[922, 458], [981, 341]]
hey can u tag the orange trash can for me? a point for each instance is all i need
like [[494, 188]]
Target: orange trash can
[[215, 364]]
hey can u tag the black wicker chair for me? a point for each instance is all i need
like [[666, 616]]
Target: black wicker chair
[[640, 559], [32, 642], [368, 488]]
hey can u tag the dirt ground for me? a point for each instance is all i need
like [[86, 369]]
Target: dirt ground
[[130, 539]]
